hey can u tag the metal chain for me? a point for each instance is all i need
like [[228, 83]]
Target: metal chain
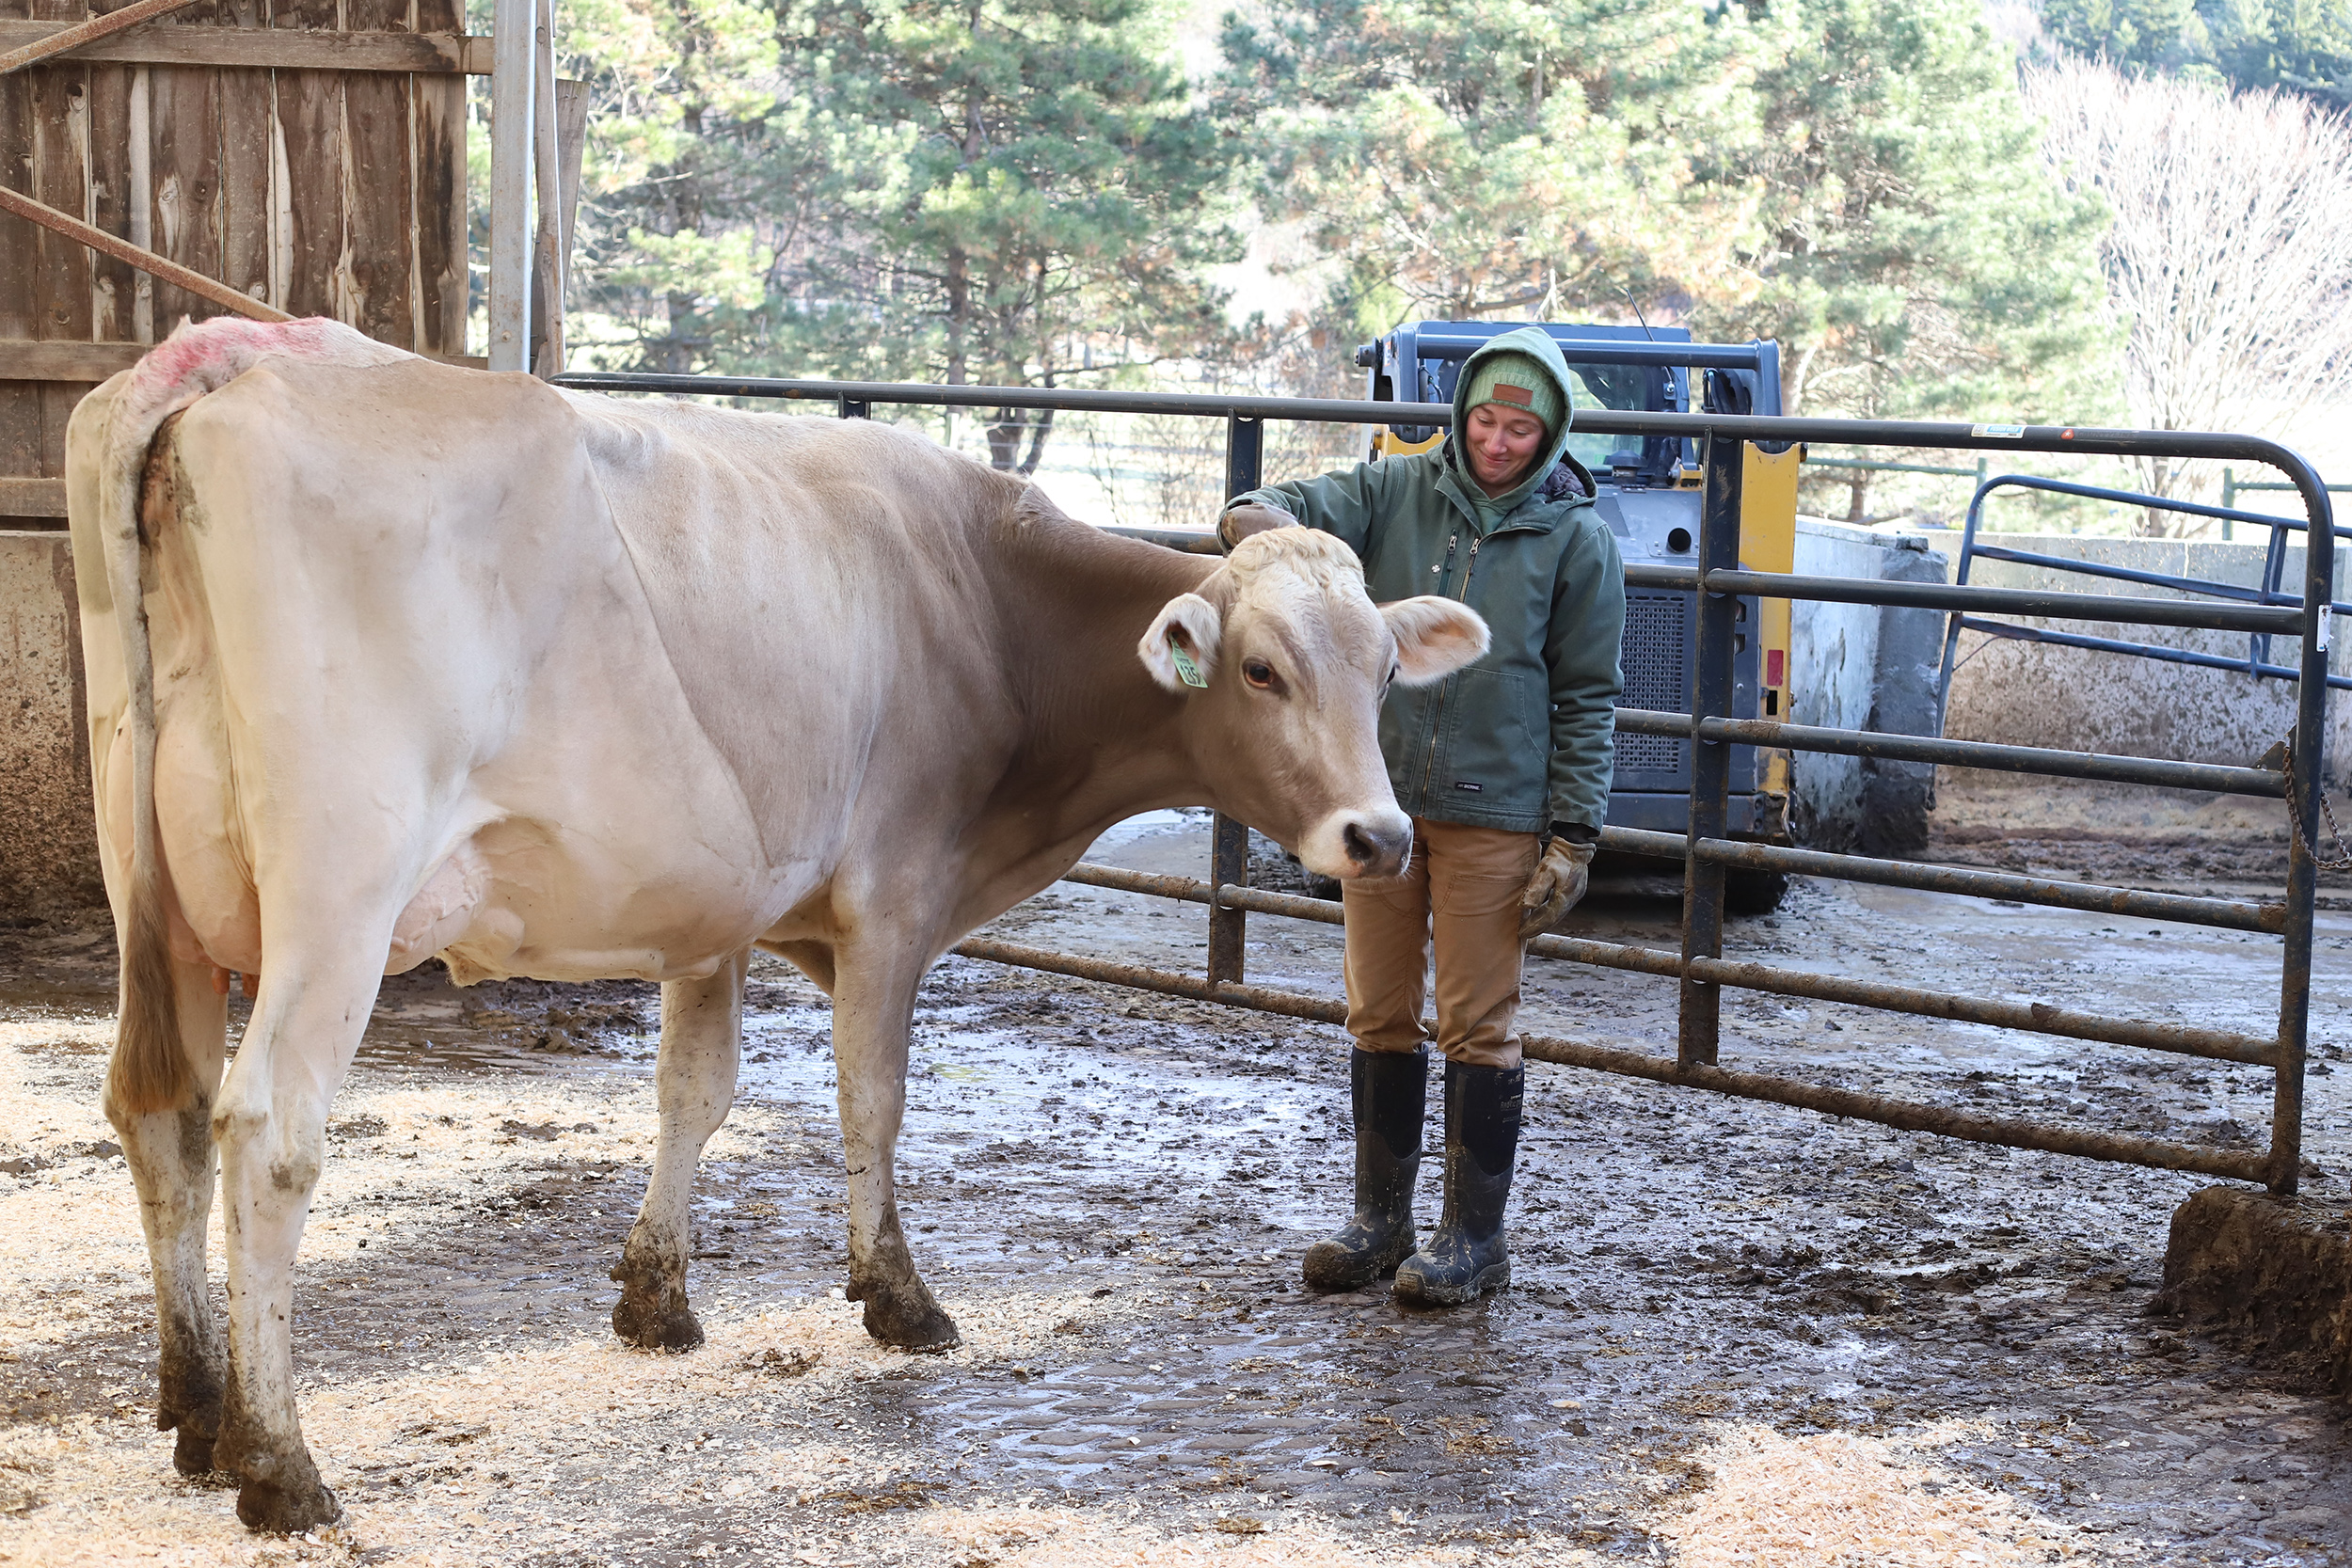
[[2342, 859]]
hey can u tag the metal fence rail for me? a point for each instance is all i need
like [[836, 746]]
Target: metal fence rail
[[1706, 849]]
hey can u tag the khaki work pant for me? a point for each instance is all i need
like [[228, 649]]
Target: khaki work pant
[[1464, 886]]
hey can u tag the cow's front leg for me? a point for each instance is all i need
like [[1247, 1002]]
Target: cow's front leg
[[270, 1121], [170, 1155], [873, 1005], [702, 1031]]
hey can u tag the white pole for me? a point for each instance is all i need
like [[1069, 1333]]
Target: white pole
[[514, 67]]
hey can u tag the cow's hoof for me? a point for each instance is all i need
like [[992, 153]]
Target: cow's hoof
[[651, 1313], [192, 1454], [909, 1321], [287, 1509], [652, 1325]]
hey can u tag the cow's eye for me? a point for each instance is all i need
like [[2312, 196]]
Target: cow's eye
[[1258, 673]]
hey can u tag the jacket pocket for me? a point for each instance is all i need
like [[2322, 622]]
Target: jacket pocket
[[1491, 757]]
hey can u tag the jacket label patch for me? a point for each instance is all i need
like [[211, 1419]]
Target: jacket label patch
[[1465, 784]]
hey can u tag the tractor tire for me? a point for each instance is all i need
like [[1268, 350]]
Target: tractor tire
[[1753, 892]]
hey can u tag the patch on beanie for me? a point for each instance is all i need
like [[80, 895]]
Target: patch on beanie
[[1505, 392]]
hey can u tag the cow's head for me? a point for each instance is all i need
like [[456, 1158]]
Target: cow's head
[[1293, 659]]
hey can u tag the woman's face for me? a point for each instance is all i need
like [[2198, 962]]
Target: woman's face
[[1500, 443]]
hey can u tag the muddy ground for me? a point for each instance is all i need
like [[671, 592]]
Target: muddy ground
[[1737, 1333]]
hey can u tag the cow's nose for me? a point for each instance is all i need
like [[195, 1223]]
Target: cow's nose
[[1376, 849]]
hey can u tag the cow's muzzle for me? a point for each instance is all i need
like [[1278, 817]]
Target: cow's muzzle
[[1351, 845]]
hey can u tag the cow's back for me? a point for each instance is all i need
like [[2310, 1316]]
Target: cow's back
[[632, 660], [856, 680]]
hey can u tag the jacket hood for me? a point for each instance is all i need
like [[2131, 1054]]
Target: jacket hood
[[1536, 344]]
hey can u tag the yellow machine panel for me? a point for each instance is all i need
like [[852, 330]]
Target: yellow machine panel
[[1768, 542]]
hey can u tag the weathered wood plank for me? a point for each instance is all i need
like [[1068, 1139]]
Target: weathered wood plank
[[244, 110], [20, 403], [438, 107], [61, 268], [23, 359], [442, 52], [113, 284], [311, 143], [184, 170], [379, 187], [31, 498]]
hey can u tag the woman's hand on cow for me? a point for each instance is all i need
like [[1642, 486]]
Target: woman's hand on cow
[[1558, 883], [1250, 517]]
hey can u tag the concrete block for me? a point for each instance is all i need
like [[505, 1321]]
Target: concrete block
[[2276, 1271], [48, 839], [1860, 667]]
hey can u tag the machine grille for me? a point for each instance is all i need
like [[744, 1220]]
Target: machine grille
[[1657, 676]]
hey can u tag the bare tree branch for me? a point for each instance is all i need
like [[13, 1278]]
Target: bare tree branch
[[2231, 256]]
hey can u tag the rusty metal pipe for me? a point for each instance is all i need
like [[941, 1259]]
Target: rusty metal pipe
[[1169, 982], [1909, 1115], [1962, 753], [1728, 582], [2038, 1018], [2181, 1039], [145, 261], [2092, 897], [88, 32]]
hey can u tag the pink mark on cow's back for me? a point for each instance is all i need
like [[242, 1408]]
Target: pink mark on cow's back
[[203, 356]]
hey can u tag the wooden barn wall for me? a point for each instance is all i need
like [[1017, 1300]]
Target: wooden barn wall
[[323, 192]]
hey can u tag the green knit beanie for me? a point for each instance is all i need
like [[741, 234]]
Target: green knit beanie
[[1519, 382]]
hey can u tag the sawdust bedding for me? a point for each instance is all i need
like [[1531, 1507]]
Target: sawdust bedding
[[399, 1156], [545, 1452]]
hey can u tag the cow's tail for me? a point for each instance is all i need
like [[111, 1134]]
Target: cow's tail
[[149, 1071]]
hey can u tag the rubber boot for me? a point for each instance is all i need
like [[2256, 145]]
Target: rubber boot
[[1388, 1092], [1468, 1256]]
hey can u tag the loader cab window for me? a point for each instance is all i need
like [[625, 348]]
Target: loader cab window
[[1640, 389]]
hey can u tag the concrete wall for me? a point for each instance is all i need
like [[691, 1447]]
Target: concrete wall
[[2078, 698], [48, 847], [1860, 667]]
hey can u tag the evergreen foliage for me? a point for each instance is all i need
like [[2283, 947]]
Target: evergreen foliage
[[2301, 45], [1021, 191], [959, 190]]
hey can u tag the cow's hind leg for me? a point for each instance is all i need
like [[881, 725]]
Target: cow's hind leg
[[270, 1121], [873, 1003], [702, 1029], [169, 1151]]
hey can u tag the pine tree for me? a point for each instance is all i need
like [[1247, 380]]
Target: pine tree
[[1498, 157], [1919, 256], [975, 191]]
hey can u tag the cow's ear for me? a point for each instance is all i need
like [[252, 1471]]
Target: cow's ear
[[1179, 650], [1434, 637]]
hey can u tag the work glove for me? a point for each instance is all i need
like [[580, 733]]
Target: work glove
[[1251, 517], [1559, 881]]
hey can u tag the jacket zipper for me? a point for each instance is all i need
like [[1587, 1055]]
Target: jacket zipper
[[1437, 715]]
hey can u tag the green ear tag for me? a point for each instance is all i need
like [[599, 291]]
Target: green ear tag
[[1185, 669]]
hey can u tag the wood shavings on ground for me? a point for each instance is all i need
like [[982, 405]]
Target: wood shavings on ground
[[488, 1457], [400, 1155], [1028, 1537], [1838, 1498]]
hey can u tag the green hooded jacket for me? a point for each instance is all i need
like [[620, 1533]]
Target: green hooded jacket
[[1526, 736]]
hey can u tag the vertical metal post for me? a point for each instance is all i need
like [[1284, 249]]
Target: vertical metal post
[[855, 409], [2310, 741], [514, 67], [1229, 840], [2229, 499], [1711, 688]]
